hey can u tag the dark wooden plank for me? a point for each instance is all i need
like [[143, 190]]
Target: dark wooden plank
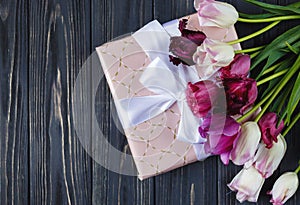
[[110, 19], [14, 102], [60, 169]]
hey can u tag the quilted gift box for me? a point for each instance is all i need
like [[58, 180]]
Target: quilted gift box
[[153, 133]]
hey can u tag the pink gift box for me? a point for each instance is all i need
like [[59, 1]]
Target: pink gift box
[[153, 143]]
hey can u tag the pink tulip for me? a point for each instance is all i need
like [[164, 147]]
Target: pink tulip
[[266, 161], [247, 183], [240, 94], [215, 13], [269, 129], [246, 145], [238, 68], [284, 188], [220, 137], [211, 55], [201, 96]]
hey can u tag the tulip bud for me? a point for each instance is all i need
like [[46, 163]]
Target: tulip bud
[[269, 129], [238, 68], [183, 49], [247, 183], [215, 13], [220, 137], [266, 161], [211, 55], [247, 144], [284, 188], [184, 46], [201, 96], [240, 94]]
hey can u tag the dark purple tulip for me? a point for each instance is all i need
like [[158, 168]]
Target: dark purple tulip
[[240, 94], [183, 49], [269, 130]]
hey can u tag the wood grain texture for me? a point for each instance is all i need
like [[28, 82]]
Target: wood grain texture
[[60, 169], [43, 45], [110, 19], [14, 155]]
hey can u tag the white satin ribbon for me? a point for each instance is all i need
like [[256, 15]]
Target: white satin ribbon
[[167, 81]]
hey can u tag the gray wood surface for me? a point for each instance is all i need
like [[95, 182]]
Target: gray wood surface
[[43, 44]]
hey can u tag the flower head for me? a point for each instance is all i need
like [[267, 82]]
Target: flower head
[[183, 47], [240, 94], [248, 183], [215, 13], [196, 37], [266, 161], [211, 55], [246, 145], [285, 187], [201, 96], [220, 137], [269, 129], [238, 68]]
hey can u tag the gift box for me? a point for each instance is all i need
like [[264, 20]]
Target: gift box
[[132, 66]]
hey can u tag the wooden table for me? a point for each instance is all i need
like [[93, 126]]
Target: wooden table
[[43, 44]]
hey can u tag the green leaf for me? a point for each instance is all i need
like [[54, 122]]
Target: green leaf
[[278, 43], [277, 9], [295, 5], [294, 99], [294, 50], [273, 57], [286, 64]]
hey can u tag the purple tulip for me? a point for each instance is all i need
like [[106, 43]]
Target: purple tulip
[[240, 94], [269, 129], [201, 96], [183, 47], [195, 36], [238, 68], [220, 137]]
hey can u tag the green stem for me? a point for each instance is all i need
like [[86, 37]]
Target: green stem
[[286, 94], [276, 75], [253, 55], [277, 18], [272, 68], [254, 34], [279, 87], [298, 169], [249, 50], [291, 125]]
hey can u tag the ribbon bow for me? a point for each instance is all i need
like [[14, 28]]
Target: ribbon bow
[[167, 81]]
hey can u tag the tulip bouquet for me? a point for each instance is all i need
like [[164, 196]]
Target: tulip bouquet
[[261, 107]]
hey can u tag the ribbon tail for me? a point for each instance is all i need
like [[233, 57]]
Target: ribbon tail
[[188, 126], [137, 110], [200, 152]]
